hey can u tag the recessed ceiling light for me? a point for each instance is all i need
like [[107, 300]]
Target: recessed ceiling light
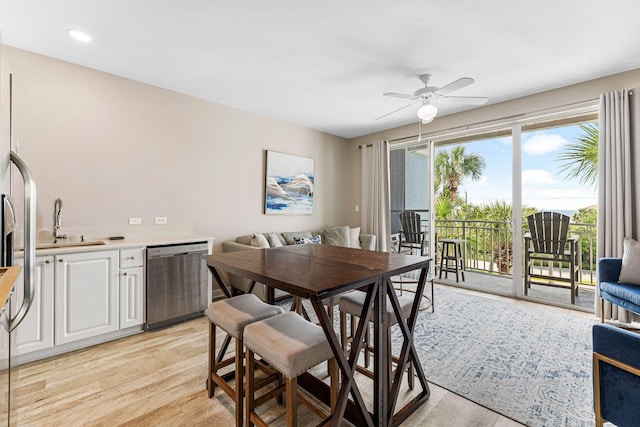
[[79, 35]]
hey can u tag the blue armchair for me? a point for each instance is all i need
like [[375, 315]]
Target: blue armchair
[[616, 376], [622, 294]]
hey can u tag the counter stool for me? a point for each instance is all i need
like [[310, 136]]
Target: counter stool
[[351, 304], [292, 345], [232, 315], [452, 259]]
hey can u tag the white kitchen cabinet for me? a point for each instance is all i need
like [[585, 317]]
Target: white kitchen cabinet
[[35, 332], [132, 287], [86, 295]]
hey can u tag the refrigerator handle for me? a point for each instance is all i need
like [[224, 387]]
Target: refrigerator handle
[[29, 240]]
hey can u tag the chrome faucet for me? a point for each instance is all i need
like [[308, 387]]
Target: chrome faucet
[[57, 214]]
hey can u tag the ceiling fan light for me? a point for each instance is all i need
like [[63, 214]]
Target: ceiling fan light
[[427, 112]]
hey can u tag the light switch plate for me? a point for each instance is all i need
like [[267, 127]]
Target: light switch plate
[[135, 221]]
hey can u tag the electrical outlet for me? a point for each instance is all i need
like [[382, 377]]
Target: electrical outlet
[[357, 208], [135, 221], [161, 220]]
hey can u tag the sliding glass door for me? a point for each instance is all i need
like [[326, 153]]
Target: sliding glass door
[[480, 187]]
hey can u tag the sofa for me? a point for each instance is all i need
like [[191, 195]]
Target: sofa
[[340, 235]]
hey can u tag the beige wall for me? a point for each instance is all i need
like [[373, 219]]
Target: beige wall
[[529, 104], [113, 148]]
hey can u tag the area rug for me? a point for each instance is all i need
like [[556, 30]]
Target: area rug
[[529, 363]]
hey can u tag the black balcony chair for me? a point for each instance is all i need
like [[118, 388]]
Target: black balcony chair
[[548, 243], [411, 236]]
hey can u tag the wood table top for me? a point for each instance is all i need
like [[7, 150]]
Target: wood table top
[[8, 276], [315, 270]]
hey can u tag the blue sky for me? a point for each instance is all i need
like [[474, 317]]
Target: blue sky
[[543, 186]]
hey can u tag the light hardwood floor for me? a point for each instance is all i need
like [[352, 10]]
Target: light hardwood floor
[[158, 379]]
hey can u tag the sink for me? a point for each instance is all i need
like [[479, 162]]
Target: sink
[[68, 244]]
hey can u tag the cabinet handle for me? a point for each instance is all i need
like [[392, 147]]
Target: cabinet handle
[[60, 260], [48, 261], [124, 274], [131, 257]]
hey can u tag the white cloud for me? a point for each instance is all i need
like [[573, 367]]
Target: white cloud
[[537, 177], [541, 143], [569, 198]]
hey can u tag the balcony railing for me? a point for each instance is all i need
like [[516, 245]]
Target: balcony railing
[[489, 246]]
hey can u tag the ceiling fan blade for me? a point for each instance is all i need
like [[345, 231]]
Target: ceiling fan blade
[[400, 95], [453, 86], [395, 111], [469, 100]]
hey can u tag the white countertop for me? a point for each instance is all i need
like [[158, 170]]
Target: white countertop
[[126, 243]]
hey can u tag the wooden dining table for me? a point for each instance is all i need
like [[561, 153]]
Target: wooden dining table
[[317, 272]]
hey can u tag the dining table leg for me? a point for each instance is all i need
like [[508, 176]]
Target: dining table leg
[[218, 279], [408, 353], [347, 366], [380, 355]]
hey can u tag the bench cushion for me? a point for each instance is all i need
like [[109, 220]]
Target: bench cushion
[[622, 294], [233, 314], [289, 343]]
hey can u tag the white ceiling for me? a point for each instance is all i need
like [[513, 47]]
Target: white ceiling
[[325, 64]]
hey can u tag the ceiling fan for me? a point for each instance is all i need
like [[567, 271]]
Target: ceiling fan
[[430, 95]]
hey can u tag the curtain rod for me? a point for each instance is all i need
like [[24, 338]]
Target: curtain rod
[[369, 145]]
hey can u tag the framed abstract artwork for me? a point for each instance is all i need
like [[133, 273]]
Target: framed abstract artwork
[[289, 182]]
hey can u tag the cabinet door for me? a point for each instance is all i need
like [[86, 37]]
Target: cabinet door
[[131, 297], [86, 295], [35, 332]]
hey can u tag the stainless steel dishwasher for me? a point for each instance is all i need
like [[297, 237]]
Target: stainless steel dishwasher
[[176, 283]]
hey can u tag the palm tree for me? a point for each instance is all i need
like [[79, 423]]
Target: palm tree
[[580, 160], [452, 166], [445, 208]]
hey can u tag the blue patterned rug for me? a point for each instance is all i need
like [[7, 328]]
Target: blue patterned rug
[[529, 363], [526, 362]]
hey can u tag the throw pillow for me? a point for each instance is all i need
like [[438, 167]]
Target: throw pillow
[[337, 236], [630, 271], [274, 240], [354, 238], [315, 240], [259, 241], [289, 235]]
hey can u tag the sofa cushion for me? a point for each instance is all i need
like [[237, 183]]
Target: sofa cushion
[[630, 271], [316, 240], [337, 236], [289, 235], [259, 241], [622, 291], [275, 241], [354, 238]]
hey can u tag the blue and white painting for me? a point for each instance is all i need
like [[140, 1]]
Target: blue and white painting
[[289, 184]]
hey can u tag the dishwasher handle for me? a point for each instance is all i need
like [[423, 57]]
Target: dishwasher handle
[[169, 251]]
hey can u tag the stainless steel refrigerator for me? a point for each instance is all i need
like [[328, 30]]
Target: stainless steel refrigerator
[[15, 311]]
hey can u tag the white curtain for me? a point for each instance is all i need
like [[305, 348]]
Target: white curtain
[[375, 209], [618, 181]]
